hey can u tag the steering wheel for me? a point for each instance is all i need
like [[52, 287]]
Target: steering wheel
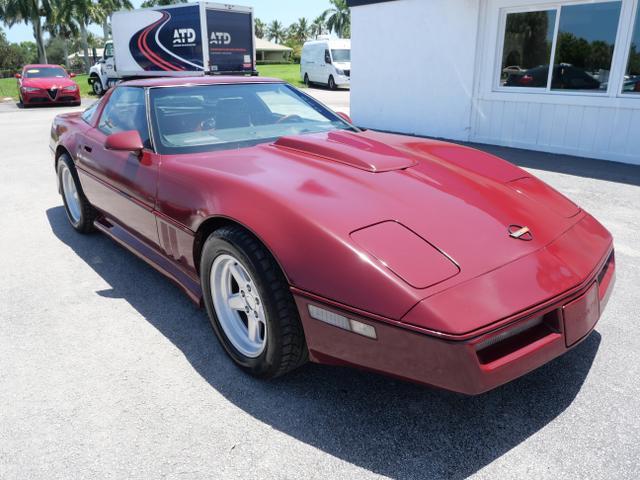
[[207, 125], [290, 118]]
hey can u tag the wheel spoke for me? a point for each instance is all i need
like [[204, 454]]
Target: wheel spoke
[[253, 327], [236, 302], [238, 275]]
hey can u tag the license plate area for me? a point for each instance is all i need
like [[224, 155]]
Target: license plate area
[[581, 315]]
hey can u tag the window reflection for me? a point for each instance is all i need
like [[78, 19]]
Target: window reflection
[[584, 50], [527, 48], [632, 78]]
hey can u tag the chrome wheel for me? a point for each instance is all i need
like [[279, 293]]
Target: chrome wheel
[[238, 306], [71, 196]]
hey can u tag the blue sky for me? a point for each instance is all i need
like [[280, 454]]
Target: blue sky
[[287, 11]]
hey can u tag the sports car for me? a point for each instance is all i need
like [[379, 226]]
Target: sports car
[[47, 85], [308, 238]]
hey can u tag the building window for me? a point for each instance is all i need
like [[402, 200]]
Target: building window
[[581, 39], [528, 39], [632, 78]]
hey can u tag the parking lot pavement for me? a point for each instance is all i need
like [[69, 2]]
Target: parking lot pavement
[[108, 371]]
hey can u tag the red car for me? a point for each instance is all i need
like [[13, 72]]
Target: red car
[[306, 237], [47, 85]]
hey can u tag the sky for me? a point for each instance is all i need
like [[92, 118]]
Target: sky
[[286, 11]]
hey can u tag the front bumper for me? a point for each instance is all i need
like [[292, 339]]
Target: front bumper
[[472, 363], [46, 97]]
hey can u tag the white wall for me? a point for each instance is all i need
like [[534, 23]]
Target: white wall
[[413, 66]]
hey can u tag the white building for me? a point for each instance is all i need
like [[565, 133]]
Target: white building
[[478, 70]]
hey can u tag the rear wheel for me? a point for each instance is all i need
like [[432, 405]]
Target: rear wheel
[[332, 83], [249, 304], [80, 212], [306, 80]]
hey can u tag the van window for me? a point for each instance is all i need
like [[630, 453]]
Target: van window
[[341, 55], [327, 57]]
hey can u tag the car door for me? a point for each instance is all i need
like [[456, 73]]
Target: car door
[[121, 184]]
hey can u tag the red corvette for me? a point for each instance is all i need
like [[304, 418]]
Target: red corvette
[[47, 85], [308, 238]]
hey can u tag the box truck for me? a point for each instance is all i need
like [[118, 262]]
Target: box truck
[[176, 40]]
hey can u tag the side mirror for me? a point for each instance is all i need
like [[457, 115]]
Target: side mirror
[[345, 117], [18, 75], [72, 75], [128, 141]]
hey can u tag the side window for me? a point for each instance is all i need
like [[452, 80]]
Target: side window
[[89, 114], [108, 50], [126, 111], [327, 57]]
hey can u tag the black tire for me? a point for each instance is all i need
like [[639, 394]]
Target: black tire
[[96, 86], [332, 83], [306, 80], [285, 347], [87, 212]]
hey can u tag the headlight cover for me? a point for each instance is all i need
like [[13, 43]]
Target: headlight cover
[[70, 88]]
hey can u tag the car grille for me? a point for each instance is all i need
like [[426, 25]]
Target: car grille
[[347, 73]]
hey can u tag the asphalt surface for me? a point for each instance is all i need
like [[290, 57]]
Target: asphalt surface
[[108, 371]]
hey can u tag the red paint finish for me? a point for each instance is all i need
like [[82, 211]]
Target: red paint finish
[[47, 91], [408, 235]]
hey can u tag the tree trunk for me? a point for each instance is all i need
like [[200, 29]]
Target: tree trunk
[[65, 49], [85, 44], [38, 35], [105, 28]]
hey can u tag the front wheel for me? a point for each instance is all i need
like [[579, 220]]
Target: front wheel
[[80, 212], [332, 83], [96, 86], [249, 304]]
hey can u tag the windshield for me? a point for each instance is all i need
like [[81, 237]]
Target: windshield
[[342, 55], [45, 72], [192, 119]]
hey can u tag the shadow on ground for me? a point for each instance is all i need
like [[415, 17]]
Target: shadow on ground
[[386, 426], [577, 166]]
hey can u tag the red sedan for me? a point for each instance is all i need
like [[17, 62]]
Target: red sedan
[[47, 85], [307, 238]]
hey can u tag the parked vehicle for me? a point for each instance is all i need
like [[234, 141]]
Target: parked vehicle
[[326, 62], [176, 40], [565, 77], [308, 238], [43, 84]]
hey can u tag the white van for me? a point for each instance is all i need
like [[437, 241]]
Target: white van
[[327, 62]]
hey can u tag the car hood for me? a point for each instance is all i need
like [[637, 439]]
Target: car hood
[[47, 83], [444, 199]]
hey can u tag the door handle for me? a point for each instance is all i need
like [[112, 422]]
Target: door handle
[[88, 148]]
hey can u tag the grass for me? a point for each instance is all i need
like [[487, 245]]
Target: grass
[[289, 73]]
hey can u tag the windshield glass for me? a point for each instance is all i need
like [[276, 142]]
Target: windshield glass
[[45, 72], [342, 55], [192, 119]]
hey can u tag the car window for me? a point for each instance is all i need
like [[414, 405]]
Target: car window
[[125, 111], [45, 72], [89, 114], [189, 119]]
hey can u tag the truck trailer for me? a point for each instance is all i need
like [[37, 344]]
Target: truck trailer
[[177, 40]]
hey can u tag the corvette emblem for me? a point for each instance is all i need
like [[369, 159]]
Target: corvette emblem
[[520, 233]]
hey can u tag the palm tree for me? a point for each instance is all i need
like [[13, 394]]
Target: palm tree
[[29, 12], [84, 12], [108, 7], [339, 18], [61, 25], [318, 26], [299, 31], [275, 32], [157, 3], [260, 28]]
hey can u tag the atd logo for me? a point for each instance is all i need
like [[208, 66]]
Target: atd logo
[[219, 38], [184, 36]]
